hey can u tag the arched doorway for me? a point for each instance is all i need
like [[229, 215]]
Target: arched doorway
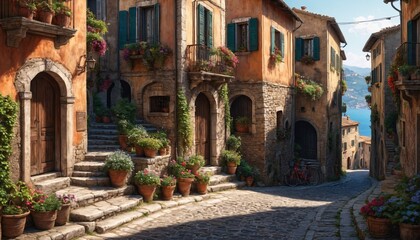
[[202, 127], [348, 163], [241, 107], [45, 130], [125, 90], [306, 138]]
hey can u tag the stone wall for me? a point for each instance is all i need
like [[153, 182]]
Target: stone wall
[[14, 159], [158, 164]]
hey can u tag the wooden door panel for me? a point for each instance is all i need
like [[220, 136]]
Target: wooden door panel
[[202, 127]]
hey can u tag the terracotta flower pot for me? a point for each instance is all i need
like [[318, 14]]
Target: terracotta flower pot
[[249, 181], [117, 177], [26, 12], [61, 20], [44, 220], [202, 188], [193, 168], [98, 119], [13, 225], [45, 17], [409, 231], [147, 192], [106, 119], [139, 151], [242, 128], [150, 152], [63, 215], [184, 186], [167, 192], [162, 151], [123, 139], [379, 227], [231, 168]]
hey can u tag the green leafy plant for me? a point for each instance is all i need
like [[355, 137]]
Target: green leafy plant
[[60, 8], [136, 134], [202, 177], [185, 138], [224, 95], [309, 88], [42, 202], [18, 197], [30, 4], [343, 86], [150, 143], [229, 156], [178, 168], [147, 177], [124, 110], [119, 160], [233, 143], [96, 29], [242, 120], [368, 79], [405, 70], [124, 126], [307, 60], [162, 137], [168, 181], [196, 159], [45, 6], [374, 114], [276, 56]]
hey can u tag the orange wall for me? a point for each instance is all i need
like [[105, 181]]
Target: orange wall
[[410, 10], [34, 46]]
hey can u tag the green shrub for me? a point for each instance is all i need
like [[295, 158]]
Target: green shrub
[[45, 203], [150, 143], [233, 143], [119, 160], [147, 177], [124, 110], [136, 134], [231, 156], [196, 159]]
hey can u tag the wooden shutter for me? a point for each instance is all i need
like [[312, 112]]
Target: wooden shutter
[[316, 53], [209, 29], [122, 28], [282, 43], [231, 36], [298, 49], [253, 34], [411, 43], [200, 25], [156, 29], [273, 39], [132, 16]]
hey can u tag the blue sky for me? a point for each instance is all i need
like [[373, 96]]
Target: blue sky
[[353, 10]]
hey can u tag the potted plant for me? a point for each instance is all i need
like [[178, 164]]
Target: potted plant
[[168, 184], [202, 180], [185, 179], [62, 14], [195, 162], [15, 211], [27, 8], [368, 79], [146, 182], [378, 216], [45, 12], [150, 146], [135, 136], [124, 110], [242, 124], [106, 115], [118, 165], [67, 200], [276, 56], [124, 127], [231, 159], [163, 138], [233, 143], [405, 71], [247, 173], [44, 210]]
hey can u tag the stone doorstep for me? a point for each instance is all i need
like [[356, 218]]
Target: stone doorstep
[[226, 186], [90, 181], [103, 147], [102, 209], [52, 185], [89, 166], [221, 178], [93, 156], [88, 174], [213, 170], [86, 196], [45, 176], [66, 232]]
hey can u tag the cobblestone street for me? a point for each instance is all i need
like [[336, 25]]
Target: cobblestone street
[[254, 213]]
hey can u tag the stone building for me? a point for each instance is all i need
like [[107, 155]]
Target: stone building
[[261, 33], [45, 73], [350, 144], [407, 86], [319, 58], [382, 46], [363, 152]]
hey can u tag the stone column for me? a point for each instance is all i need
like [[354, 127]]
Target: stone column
[[25, 110], [67, 126]]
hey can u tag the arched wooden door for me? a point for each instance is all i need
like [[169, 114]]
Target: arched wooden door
[[45, 134], [202, 127], [305, 137]]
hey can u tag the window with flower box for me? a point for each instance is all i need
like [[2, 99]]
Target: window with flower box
[[277, 42], [307, 47], [242, 35], [204, 26]]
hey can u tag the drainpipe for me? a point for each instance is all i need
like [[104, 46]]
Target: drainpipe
[[176, 76]]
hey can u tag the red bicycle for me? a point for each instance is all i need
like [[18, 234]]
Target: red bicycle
[[303, 172]]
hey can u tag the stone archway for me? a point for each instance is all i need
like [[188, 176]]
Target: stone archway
[[63, 78], [306, 139]]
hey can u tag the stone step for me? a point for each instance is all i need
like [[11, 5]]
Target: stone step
[[98, 131], [66, 232], [103, 137], [101, 142], [103, 209], [89, 166], [97, 156], [53, 185], [103, 125], [221, 178], [226, 186], [213, 170], [86, 196], [88, 174], [45, 176], [103, 148], [90, 181]]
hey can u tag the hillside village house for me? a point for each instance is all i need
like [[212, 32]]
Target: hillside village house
[[261, 33], [319, 59], [363, 152], [382, 46], [45, 73], [350, 137]]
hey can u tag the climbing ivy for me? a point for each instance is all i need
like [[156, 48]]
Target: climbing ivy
[[224, 95], [8, 116], [185, 139]]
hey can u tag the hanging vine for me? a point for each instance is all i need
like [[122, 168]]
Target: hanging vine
[[224, 95], [8, 116], [185, 139]]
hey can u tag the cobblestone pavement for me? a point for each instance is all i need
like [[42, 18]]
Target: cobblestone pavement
[[253, 213]]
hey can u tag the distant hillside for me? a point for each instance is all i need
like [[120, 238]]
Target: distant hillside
[[356, 87]]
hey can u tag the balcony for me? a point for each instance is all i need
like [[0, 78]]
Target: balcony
[[17, 27], [208, 65]]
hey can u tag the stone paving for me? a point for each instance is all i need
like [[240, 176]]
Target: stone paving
[[320, 212]]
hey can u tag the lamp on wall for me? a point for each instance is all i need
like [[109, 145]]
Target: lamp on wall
[[85, 62], [367, 57]]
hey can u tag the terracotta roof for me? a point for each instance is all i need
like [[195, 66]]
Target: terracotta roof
[[346, 122], [365, 139], [329, 19], [288, 9], [375, 36]]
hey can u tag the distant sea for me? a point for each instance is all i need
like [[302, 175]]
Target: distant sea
[[361, 115]]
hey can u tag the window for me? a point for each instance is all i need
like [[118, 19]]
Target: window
[[277, 41], [146, 26], [344, 146], [332, 58], [352, 143], [348, 130], [242, 36], [159, 104], [307, 47], [337, 63], [344, 133], [204, 26], [98, 7]]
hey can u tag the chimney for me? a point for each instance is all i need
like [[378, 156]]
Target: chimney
[[303, 8]]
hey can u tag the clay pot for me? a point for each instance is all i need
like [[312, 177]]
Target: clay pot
[[231, 168], [249, 181], [162, 151], [13, 226], [242, 128], [150, 152], [63, 215], [184, 186], [44, 220], [61, 20], [147, 192], [45, 17], [167, 192], [409, 231], [106, 119], [193, 168], [139, 151], [117, 177], [379, 227], [123, 139], [26, 12], [202, 188]]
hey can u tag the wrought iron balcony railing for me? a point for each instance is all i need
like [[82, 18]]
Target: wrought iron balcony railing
[[202, 58], [408, 53]]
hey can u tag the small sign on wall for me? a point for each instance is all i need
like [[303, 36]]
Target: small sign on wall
[[81, 121]]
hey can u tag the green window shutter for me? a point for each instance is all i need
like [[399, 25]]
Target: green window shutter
[[253, 34], [298, 49], [273, 39], [411, 44], [132, 16], [316, 53], [200, 25], [209, 29], [122, 29], [282, 43], [156, 32], [231, 36]]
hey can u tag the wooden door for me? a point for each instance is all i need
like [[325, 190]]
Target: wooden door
[[202, 127], [306, 138], [45, 138]]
